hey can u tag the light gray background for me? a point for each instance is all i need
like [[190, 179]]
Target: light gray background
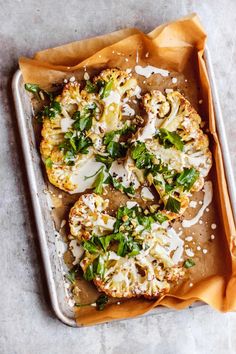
[[27, 324]]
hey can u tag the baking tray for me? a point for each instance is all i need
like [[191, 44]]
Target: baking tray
[[52, 247]]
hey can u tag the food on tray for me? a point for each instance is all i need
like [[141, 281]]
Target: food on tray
[[148, 146], [75, 123], [135, 253], [171, 150]]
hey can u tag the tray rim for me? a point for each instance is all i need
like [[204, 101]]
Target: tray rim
[[35, 198]]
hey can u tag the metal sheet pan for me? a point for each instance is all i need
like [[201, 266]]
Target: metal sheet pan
[[51, 245]]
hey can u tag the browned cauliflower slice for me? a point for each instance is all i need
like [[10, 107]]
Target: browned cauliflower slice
[[74, 125], [178, 149], [125, 256], [151, 273], [88, 216], [67, 150]]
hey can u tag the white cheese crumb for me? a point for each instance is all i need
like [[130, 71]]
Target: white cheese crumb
[[198, 248], [174, 80], [212, 237], [193, 204], [93, 304], [200, 202], [188, 238], [72, 79], [65, 81], [191, 284], [200, 222], [147, 55], [146, 194], [207, 210], [200, 101], [189, 252], [126, 59], [168, 90], [204, 250], [86, 76], [131, 204], [213, 226]]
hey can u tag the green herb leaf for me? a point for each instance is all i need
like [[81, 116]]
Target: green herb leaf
[[106, 89], [116, 150], [99, 266], [52, 110], [173, 205], [137, 150], [87, 177], [48, 162], [101, 301], [160, 217], [90, 87], [98, 184], [73, 145], [90, 247], [71, 276], [107, 160], [111, 135], [169, 139], [33, 88], [89, 274], [143, 159], [189, 263], [187, 178], [117, 185]]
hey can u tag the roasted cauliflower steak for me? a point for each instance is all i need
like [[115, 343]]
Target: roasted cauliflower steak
[[174, 151], [124, 256], [75, 123]]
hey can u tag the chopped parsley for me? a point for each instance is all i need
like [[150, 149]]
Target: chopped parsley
[[73, 144], [187, 178], [189, 263], [107, 160], [48, 162], [141, 156], [52, 110], [116, 149], [169, 139], [119, 186], [173, 205], [101, 301], [72, 274], [106, 89], [100, 179], [35, 89], [90, 87]]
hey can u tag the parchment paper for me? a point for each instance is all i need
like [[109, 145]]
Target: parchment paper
[[177, 46]]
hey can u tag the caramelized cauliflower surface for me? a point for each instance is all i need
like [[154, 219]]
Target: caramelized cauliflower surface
[[172, 150], [91, 138], [127, 256], [74, 126]]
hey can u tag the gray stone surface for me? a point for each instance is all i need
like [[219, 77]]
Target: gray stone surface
[[27, 324]]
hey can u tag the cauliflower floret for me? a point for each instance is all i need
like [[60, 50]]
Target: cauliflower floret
[[115, 84], [87, 216]]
